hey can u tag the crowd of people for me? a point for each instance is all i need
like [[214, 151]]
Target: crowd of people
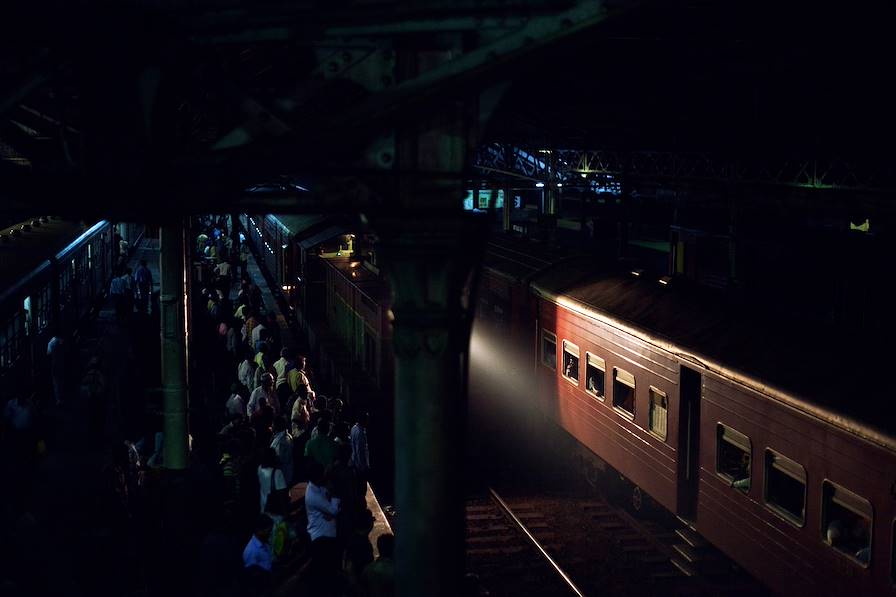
[[278, 431]]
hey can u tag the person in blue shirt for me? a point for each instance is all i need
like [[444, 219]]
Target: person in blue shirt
[[143, 278], [257, 553]]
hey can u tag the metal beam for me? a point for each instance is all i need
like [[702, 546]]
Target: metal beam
[[807, 172]]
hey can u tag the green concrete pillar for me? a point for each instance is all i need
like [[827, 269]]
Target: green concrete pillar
[[430, 261], [174, 364], [506, 211]]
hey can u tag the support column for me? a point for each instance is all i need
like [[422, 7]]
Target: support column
[[430, 264], [508, 206], [174, 370]]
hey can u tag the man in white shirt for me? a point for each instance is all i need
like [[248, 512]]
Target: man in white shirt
[[322, 509], [282, 445], [265, 390], [255, 336]]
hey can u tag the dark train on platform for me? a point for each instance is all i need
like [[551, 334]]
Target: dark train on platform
[[772, 439], [329, 282], [53, 272]]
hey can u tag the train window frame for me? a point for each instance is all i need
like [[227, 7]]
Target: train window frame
[[793, 473], [601, 365], [655, 391], [550, 337], [737, 439], [617, 380], [573, 351], [847, 496]]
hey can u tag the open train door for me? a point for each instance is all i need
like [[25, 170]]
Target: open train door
[[689, 443]]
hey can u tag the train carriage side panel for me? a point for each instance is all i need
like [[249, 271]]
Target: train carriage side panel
[[767, 539], [648, 458]]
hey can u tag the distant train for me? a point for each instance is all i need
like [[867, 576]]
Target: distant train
[[53, 273], [339, 300], [770, 439]]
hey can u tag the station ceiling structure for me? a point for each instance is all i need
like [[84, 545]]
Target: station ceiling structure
[[143, 108]]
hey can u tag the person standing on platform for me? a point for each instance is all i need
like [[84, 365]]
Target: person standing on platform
[[235, 404], [281, 368], [246, 370], [258, 561], [244, 260], [379, 576], [360, 451], [322, 510], [266, 391], [222, 270], [270, 478], [321, 448], [249, 326], [56, 352], [123, 254], [129, 285], [116, 292], [281, 443], [143, 277], [256, 336], [298, 380]]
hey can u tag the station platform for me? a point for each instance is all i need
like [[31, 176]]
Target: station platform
[[87, 521]]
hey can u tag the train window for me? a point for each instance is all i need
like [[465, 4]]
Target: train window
[[658, 413], [595, 369], [624, 391], [549, 349], [734, 452], [846, 522], [571, 361], [785, 487]]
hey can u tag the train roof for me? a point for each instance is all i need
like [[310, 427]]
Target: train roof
[[834, 375], [297, 224], [23, 251]]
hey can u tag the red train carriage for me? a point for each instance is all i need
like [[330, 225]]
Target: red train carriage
[[795, 484]]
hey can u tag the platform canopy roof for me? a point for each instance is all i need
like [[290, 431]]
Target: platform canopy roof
[[146, 108]]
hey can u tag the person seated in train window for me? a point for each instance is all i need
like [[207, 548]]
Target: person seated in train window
[[593, 387], [834, 533], [571, 368], [741, 478]]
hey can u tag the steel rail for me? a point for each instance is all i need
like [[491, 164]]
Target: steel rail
[[566, 579]]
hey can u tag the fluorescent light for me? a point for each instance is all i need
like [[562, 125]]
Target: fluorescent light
[[665, 280], [637, 272], [559, 184], [539, 184]]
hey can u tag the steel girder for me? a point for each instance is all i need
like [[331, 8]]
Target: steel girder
[[807, 173]]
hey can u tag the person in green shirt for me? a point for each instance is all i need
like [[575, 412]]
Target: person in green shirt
[[321, 449], [379, 576]]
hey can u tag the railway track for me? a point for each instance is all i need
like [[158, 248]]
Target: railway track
[[568, 545], [503, 551]]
